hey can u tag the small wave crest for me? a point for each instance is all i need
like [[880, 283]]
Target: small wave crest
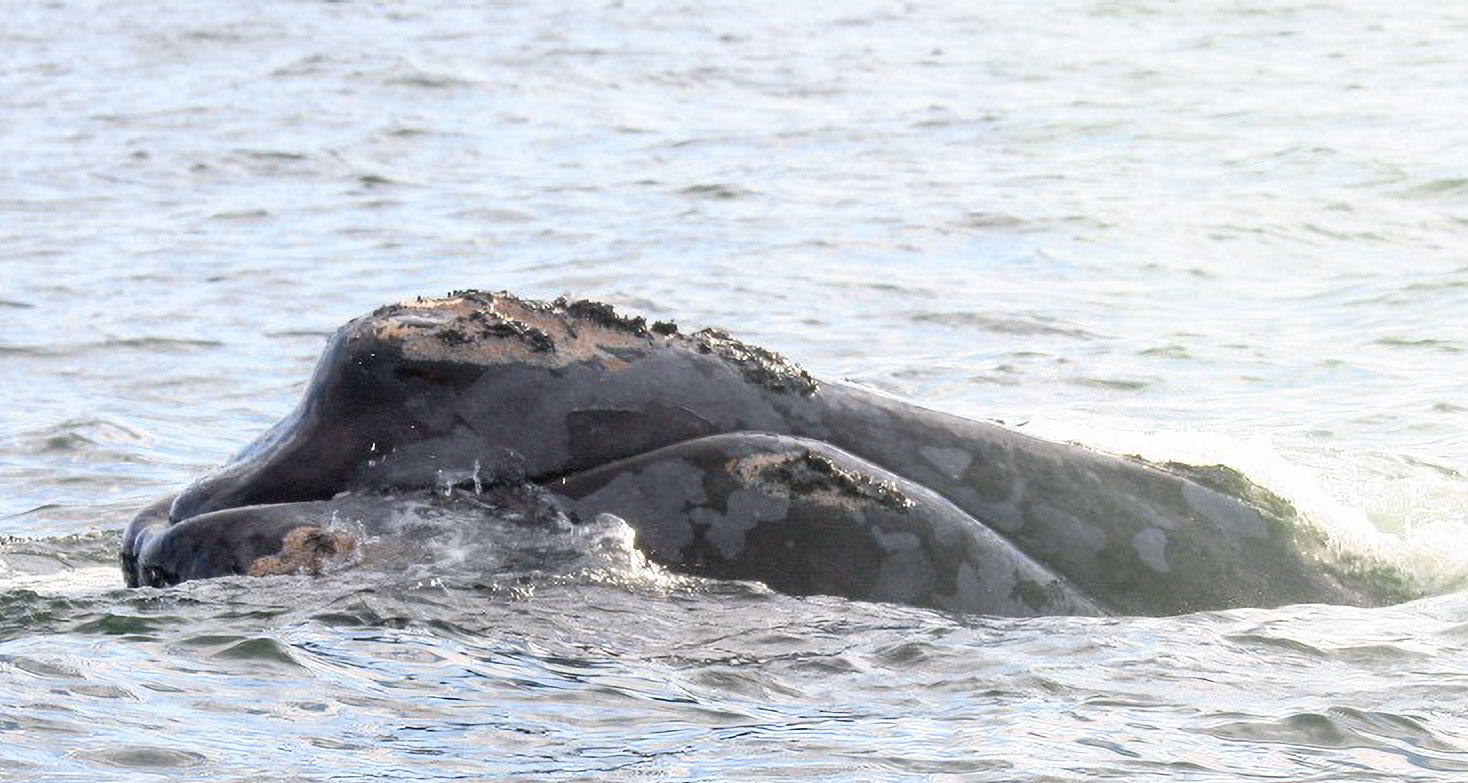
[[69, 566], [110, 345], [1410, 737]]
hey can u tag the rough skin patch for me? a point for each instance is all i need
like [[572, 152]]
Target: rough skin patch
[[816, 479], [601, 314], [306, 550], [472, 326], [759, 366], [499, 328]]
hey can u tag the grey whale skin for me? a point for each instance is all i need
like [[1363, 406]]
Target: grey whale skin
[[731, 462]]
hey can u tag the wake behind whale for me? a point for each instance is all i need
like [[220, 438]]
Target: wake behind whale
[[729, 461]]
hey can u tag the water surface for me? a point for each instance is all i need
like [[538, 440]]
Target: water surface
[[1229, 233]]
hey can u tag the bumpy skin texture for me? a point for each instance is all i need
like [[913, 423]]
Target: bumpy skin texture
[[732, 462]]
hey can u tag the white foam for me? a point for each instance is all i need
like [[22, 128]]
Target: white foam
[[1402, 510], [65, 582]]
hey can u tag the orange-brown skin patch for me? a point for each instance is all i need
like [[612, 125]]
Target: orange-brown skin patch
[[500, 329], [306, 550]]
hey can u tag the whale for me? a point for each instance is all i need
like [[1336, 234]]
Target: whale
[[730, 461]]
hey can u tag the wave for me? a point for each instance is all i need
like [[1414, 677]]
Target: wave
[[141, 344]]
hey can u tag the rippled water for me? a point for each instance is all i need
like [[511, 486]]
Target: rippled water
[[1226, 232]]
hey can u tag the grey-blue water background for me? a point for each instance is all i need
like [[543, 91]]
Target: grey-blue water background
[[1222, 231]]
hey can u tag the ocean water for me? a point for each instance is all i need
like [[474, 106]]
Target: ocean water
[[1216, 232]]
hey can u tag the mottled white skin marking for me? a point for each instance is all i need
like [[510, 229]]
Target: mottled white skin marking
[[905, 578], [743, 511], [900, 541], [870, 546], [668, 487], [952, 461], [1226, 512], [1086, 541], [976, 588], [1151, 546]]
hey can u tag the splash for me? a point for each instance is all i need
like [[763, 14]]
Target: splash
[[1375, 508], [495, 535]]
